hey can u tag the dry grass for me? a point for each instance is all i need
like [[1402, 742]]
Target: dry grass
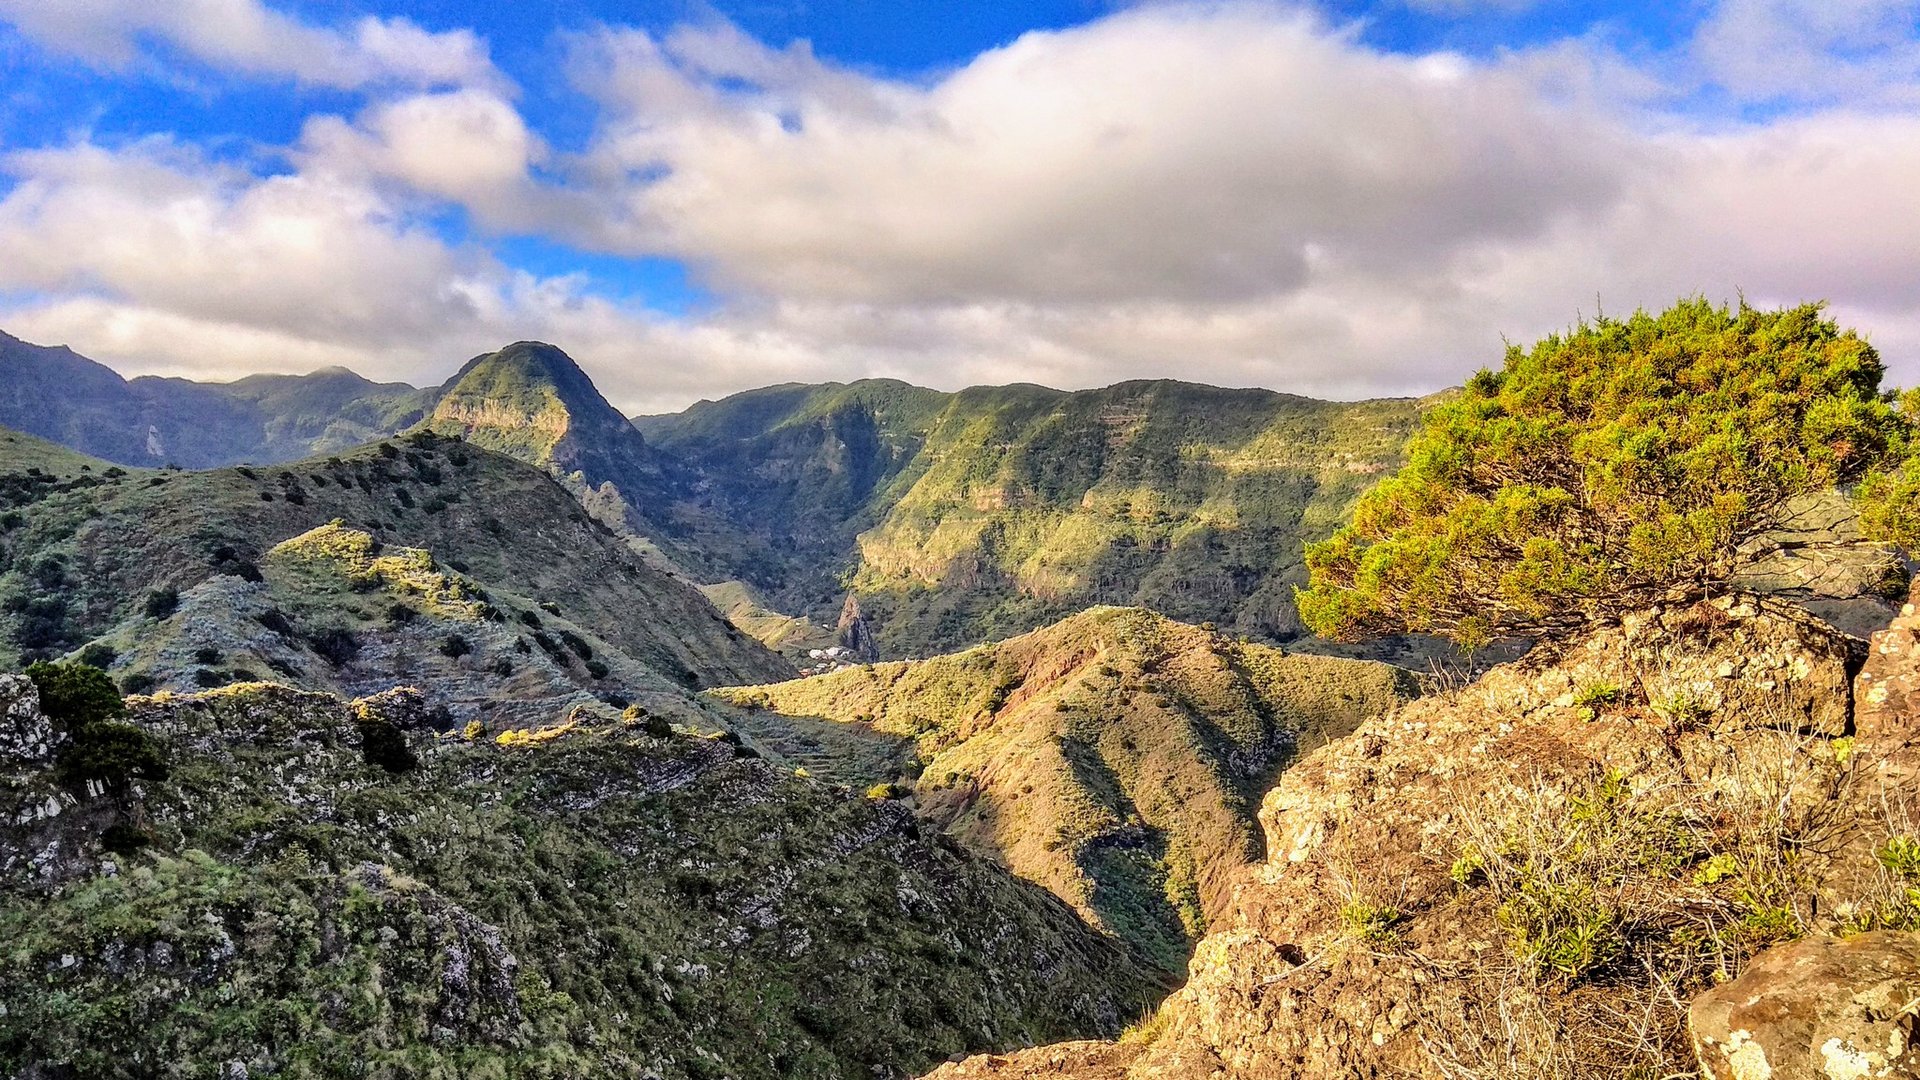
[[1620, 899]]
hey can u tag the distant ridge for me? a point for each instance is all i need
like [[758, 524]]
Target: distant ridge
[[57, 394]]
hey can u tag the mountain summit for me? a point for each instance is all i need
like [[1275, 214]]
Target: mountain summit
[[531, 401]]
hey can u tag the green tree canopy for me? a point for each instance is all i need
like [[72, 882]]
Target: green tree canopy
[[75, 696], [1627, 460], [82, 702]]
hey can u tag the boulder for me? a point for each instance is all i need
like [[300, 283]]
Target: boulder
[[26, 735], [1817, 1009], [1887, 692]]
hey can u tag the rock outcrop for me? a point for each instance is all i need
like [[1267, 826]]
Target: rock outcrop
[[1530, 875], [1819, 1009], [26, 735]]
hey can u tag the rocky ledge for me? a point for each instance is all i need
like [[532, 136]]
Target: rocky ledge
[[1539, 873]]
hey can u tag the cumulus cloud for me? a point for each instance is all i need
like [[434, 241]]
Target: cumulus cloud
[[1162, 154], [1239, 194], [1813, 51], [467, 146], [247, 37], [160, 261]]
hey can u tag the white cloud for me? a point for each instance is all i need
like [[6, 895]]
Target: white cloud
[[469, 147], [248, 37], [1227, 193], [1817, 51], [1162, 154]]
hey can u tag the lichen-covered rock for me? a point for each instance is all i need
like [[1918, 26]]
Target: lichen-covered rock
[[1818, 1009], [1887, 692], [26, 735], [1735, 662], [1819, 560], [405, 707]]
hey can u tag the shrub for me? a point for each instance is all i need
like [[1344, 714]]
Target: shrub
[[552, 648], [1597, 695], [138, 682], [1901, 856], [243, 570], [455, 646], [385, 745], [209, 678], [1371, 923], [208, 655], [75, 696], [122, 838], [597, 669], [1603, 469], [336, 646], [98, 654], [577, 644], [162, 602], [82, 702], [888, 790]]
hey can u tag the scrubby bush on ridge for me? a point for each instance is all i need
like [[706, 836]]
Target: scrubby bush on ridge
[[1626, 461]]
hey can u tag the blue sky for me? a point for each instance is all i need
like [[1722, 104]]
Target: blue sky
[[1344, 199]]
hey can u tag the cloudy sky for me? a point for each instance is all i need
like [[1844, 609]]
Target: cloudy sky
[[1342, 199]]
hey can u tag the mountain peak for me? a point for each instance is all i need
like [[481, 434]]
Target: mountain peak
[[532, 375], [531, 401]]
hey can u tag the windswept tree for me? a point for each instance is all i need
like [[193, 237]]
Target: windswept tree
[[1626, 461]]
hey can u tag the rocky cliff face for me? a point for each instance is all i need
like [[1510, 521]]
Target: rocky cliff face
[[321, 884], [1533, 875]]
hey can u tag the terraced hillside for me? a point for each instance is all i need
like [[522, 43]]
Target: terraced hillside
[[953, 517], [324, 888], [977, 515], [1117, 758], [420, 560]]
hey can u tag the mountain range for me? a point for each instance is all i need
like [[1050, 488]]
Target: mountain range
[[951, 517], [484, 730]]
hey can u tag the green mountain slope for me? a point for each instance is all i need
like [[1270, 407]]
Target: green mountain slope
[[1117, 758], [57, 394], [962, 517], [586, 900], [351, 573], [954, 518], [532, 402]]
